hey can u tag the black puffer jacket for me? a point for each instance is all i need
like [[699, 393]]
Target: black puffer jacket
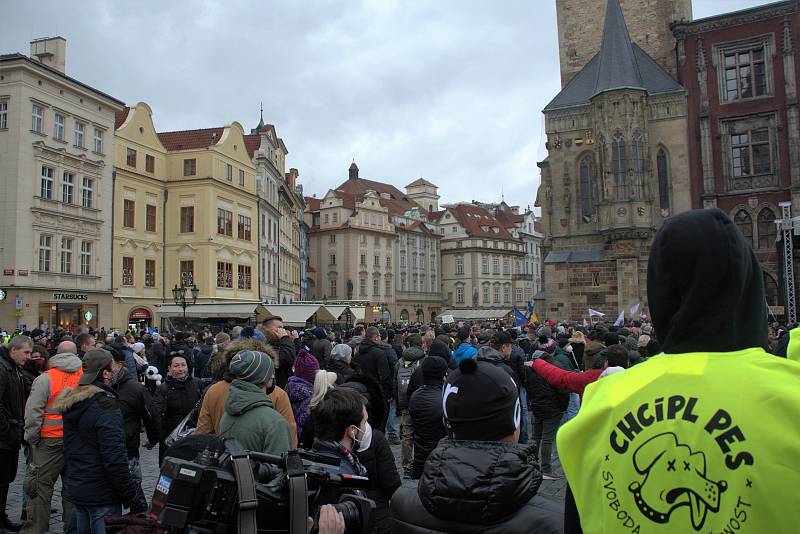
[[383, 477], [94, 447], [545, 400], [136, 405], [201, 357], [374, 362], [12, 402], [287, 351], [343, 371], [481, 487], [426, 412], [493, 356], [173, 400], [378, 409]]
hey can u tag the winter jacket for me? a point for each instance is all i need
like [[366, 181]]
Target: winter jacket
[[383, 478], [213, 407], [40, 394], [412, 357], [343, 371], [481, 487], [286, 353], [463, 351], [493, 356], [377, 408], [374, 363], [565, 359], [94, 447], [157, 356], [300, 392], [427, 416], [136, 405], [545, 400], [559, 378], [173, 400], [322, 350], [250, 419], [12, 402], [130, 361], [517, 362], [201, 357]]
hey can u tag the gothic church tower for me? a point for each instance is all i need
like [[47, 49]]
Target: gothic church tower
[[580, 25]]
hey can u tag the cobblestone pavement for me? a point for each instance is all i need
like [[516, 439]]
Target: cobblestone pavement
[[149, 463]]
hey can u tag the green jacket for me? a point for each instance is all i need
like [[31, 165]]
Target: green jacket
[[565, 359], [250, 419]]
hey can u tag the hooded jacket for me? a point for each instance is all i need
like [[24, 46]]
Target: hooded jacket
[[493, 356], [546, 401], [136, 405], [411, 356], [682, 470], [464, 350], [427, 415], [40, 394], [94, 447], [12, 402], [482, 487], [173, 400], [374, 362], [250, 419]]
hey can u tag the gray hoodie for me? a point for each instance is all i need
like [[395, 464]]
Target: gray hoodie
[[40, 394]]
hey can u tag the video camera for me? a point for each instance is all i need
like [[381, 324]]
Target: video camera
[[248, 492]]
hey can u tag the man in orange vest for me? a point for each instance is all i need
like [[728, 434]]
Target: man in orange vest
[[44, 431]]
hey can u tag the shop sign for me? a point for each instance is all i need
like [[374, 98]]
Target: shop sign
[[70, 296], [139, 313], [22, 272], [8, 272], [88, 316], [2, 295], [18, 303]]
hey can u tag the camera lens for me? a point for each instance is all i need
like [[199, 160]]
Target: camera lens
[[350, 512]]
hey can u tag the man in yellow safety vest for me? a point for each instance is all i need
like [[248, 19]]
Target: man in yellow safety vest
[[44, 431], [703, 438]]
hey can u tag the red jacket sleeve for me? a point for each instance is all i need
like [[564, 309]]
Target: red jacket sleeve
[[555, 376]]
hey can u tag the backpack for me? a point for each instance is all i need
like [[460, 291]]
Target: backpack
[[403, 378]]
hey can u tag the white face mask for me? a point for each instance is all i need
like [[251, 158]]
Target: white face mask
[[366, 438]]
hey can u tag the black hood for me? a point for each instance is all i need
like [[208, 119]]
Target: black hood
[[705, 287]]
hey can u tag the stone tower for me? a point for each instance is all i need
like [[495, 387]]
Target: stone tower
[[580, 29]]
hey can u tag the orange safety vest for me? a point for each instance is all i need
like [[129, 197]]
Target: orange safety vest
[[52, 424]]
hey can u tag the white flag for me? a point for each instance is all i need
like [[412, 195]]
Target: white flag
[[595, 313], [585, 323], [634, 309], [620, 319]]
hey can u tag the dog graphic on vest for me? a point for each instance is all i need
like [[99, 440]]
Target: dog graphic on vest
[[674, 477]]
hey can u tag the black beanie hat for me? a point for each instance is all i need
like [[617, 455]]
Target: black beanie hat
[[434, 367], [440, 349], [463, 334], [481, 402]]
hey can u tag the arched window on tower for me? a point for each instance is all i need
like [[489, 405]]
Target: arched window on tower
[[770, 290], [767, 230], [586, 181], [602, 169], [662, 169], [637, 160], [619, 166], [743, 220]]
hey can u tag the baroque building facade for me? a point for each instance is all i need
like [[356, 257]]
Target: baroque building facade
[[56, 155], [740, 70], [617, 165]]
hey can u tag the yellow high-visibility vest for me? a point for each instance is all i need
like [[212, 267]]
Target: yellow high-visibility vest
[[685, 443]]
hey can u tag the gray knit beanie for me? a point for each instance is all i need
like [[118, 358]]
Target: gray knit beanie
[[252, 366]]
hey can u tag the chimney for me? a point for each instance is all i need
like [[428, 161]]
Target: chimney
[[50, 51], [353, 171], [291, 178]]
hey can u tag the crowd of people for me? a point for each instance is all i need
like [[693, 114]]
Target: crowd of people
[[477, 409]]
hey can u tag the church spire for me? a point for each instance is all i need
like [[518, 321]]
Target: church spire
[[617, 67], [261, 122]]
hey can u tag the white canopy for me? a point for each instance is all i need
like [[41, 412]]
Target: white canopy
[[476, 314], [298, 314], [239, 310]]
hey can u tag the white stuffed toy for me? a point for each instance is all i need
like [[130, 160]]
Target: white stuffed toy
[[153, 374]]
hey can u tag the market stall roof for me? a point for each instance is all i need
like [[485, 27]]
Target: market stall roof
[[239, 310], [359, 312], [298, 314], [477, 314]]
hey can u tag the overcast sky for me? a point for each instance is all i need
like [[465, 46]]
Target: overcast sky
[[450, 90]]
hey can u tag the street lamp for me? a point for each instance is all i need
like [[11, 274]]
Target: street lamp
[[184, 297]]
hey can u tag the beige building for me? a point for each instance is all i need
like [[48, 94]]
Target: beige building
[[617, 166], [185, 211], [56, 146], [480, 257], [369, 241]]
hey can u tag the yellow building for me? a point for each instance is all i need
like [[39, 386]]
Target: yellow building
[[205, 230]]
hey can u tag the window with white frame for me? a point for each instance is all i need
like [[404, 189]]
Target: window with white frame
[[506, 294], [45, 249], [67, 187], [46, 183], [459, 265], [518, 294], [79, 129], [333, 288], [229, 172], [495, 264], [376, 292], [87, 192], [3, 114], [506, 266], [362, 287], [459, 295], [98, 141], [484, 265], [388, 288], [66, 255], [486, 294], [58, 127], [402, 260], [127, 271], [37, 118], [86, 258], [241, 177], [497, 293]]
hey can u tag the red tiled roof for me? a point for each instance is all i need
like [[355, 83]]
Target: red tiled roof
[[120, 116], [435, 215], [189, 139], [252, 142], [397, 203], [312, 203], [509, 219], [472, 217], [537, 226]]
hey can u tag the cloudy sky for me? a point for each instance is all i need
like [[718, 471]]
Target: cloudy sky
[[451, 90]]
